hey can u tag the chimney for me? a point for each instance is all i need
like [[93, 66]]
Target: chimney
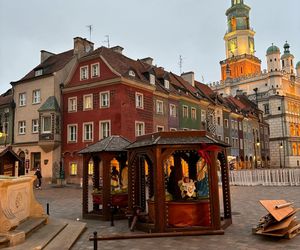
[[45, 55], [117, 49], [147, 60], [189, 77], [82, 46]]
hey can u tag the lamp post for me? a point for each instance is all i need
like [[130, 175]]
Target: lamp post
[[280, 148]]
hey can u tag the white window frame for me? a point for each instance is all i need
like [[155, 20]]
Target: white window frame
[[173, 129], [35, 127], [97, 72], [101, 95], [84, 139], [203, 115], [187, 111], [194, 116], [159, 107], [84, 106], [38, 72], [160, 127], [36, 98], [71, 106], [70, 135], [22, 127], [43, 125], [173, 110], [152, 79], [227, 140], [82, 75], [101, 130], [22, 99], [137, 123], [139, 103], [167, 84]]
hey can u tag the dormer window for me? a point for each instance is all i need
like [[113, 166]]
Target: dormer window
[[38, 72], [84, 73], [152, 79], [95, 69], [131, 73], [167, 84]]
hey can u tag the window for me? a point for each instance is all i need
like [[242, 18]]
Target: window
[[219, 120], [159, 107], [87, 102], [131, 73], [203, 115], [193, 113], [91, 167], [267, 109], [72, 104], [84, 73], [73, 168], [167, 84], [35, 126], [36, 96], [139, 128], [139, 100], [104, 99], [173, 112], [38, 72], [104, 129], [88, 131], [160, 128], [226, 123], [240, 126], [219, 137], [241, 144], [22, 127], [227, 140], [152, 79], [185, 111], [95, 69], [173, 129], [22, 99], [46, 124], [232, 124], [72, 133], [4, 127]]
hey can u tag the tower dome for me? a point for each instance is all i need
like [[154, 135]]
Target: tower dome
[[287, 60], [287, 52], [298, 69], [273, 50]]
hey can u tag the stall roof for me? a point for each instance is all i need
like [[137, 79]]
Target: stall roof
[[176, 138], [114, 143], [4, 151]]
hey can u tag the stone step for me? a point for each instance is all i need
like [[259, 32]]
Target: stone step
[[40, 238], [4, 242], [32, 224], [67, 237]]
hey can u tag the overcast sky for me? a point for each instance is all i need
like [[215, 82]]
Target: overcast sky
[[161, 29]]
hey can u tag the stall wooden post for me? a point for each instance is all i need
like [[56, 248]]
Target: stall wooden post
[[106, 190], [214, 192], [85, 185], [159, 193]]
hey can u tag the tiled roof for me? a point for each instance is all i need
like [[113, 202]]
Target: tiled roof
[[6, 98], [8, 149], [52, 64], [50, 104], [114, 143], [176, 138]]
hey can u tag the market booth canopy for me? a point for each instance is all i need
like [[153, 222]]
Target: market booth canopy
[[106, 162], [173, 180]]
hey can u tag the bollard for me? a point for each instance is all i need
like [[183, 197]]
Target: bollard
[[112, 211], [47, 208], [95, 241]]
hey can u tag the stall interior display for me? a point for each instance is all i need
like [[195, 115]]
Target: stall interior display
[[173, 180]]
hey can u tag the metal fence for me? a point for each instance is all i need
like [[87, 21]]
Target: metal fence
[[265, 177]]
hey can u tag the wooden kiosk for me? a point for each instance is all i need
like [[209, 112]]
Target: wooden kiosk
[[194, 207], [101, 155]]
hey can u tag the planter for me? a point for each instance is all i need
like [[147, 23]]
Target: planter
[[120, 200]]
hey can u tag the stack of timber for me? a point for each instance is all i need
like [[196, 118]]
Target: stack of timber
[[280, 221]]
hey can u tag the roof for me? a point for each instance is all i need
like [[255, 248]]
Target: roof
[[6, 150], [50, 104], [114, 143], [273, 50], [52, 64], [175, 138], [6, 98]]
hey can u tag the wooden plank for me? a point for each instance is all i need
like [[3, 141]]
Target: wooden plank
[[278, 214], [281, 225]]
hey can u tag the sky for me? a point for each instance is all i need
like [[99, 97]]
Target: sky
[[161, 29]]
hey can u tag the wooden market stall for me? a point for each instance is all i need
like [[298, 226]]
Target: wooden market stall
[[9, 162], [107, 158], [173, 180]]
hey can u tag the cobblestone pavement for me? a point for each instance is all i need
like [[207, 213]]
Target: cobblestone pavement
[[66, 203]]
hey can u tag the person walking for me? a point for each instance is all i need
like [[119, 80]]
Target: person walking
[[39, 177]]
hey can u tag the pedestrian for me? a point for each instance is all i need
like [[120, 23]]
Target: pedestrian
[[39, 177]]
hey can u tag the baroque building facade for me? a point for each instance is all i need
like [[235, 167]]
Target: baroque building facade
[[276, 91]]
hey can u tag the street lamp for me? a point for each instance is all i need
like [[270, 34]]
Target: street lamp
[[280, 148]]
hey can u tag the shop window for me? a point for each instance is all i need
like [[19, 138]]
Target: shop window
[[73, 168]]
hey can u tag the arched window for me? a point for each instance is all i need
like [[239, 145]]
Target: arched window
[[294, 148], [292, 129]]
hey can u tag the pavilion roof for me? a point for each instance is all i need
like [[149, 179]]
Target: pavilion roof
[[176, 138], [114, 143]]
